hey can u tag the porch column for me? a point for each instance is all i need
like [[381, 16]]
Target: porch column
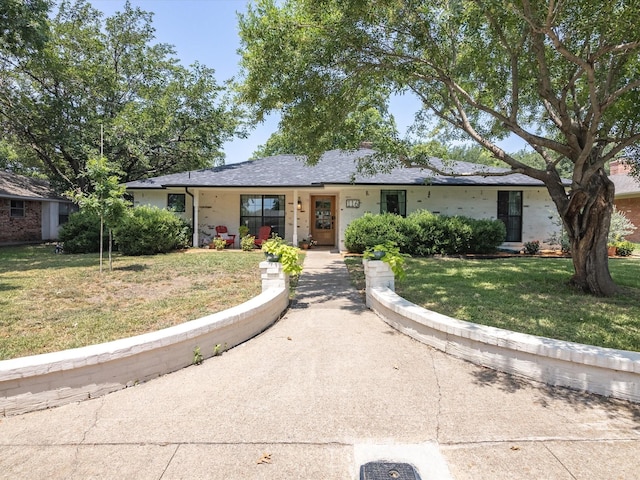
[[294, 238], [196, 217]]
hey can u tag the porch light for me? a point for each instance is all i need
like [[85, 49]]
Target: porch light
[[299, 204]]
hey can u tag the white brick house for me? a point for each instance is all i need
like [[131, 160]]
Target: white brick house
[[299, 200]]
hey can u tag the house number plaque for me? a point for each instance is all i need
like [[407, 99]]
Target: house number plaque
[[353, 203]]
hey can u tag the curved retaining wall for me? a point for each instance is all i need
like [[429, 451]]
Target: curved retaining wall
[[48, 380], [605, 371]]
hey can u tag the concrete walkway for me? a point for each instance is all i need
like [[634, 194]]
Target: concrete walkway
[[327, 388]]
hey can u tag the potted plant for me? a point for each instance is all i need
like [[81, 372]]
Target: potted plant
[[389, 253], [271, 248], [219, 243], [247, 243], [304, 244], [276, 250]]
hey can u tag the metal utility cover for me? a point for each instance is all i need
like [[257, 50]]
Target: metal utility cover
[[388, 471]]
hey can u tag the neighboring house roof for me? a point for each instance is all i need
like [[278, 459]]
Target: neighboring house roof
[[25, 188], [335, 167], [626, 185]]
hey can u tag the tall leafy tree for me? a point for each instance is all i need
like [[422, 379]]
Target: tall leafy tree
[[563, 75], [158, 116]]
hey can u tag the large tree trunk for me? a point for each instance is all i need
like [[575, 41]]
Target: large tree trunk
[[587, 220]]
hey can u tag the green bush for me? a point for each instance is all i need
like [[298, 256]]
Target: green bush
[[147, 230], [370, 230], [487, 235], [439, 234], [532, 248], [81, 234], [620, 226], [424, 233], [624, 248]]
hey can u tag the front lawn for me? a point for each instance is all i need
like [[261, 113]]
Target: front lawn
[[53, 302], [526, 295]]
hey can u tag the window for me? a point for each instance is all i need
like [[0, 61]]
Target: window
[[17, 208], [64, 210], [259, 210], [510, 212], [176, 202], [393, 201]]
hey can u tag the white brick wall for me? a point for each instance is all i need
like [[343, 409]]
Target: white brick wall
[[53, 379], [604, 371]]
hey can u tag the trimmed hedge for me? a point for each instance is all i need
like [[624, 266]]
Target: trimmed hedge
[[487, 235], [424, 233], [148, 230], [370, 230]]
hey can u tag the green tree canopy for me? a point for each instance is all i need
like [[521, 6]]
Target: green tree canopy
[[562, 75], [371, 122], [158, 116], [23, 25]]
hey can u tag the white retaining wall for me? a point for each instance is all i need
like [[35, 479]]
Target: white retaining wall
[[48, 380], [605, 371]]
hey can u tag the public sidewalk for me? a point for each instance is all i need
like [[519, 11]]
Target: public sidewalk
[[327, 388]]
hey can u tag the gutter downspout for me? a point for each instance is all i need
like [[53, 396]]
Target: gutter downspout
[[194, 219]]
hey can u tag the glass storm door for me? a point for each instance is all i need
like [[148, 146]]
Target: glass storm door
[[323, 218]]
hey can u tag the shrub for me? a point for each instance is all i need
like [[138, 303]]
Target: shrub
[[424, 233], [439, 234], [81, 234], [148, 230], [624, 249], [487, 235], [247, 243], [456, 236], [370, 230], [620, 226], [425, 228], [532, 248]]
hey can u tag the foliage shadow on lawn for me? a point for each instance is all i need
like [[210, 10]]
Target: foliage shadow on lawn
[[528, 295]]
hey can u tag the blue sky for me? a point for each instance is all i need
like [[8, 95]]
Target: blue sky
[[206, 31]]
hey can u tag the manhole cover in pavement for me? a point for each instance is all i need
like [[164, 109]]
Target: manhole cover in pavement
[[388, 471]]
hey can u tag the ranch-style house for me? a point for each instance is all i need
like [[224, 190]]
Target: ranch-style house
[[298, 201]]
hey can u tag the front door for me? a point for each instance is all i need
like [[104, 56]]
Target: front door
[[323, 219]]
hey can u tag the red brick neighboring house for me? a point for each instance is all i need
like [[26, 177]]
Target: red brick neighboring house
[[627, 195], [30, 211]]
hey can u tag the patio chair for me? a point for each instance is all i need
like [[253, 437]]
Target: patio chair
[[263, 234], [222, 232]]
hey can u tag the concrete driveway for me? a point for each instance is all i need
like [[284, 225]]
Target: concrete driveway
[[326, 389]]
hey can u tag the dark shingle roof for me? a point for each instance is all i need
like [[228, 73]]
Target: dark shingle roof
[[25, 188], [334, 168]]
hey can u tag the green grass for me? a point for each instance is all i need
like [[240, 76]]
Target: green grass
[[528, 295], [52, 302]]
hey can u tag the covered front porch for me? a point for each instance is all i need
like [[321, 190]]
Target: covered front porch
[[293, 214]]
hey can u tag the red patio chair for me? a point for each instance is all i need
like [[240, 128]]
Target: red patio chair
[[263, 234], [222, 232]]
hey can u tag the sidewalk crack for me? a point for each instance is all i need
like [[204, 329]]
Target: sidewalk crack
[[559, 461], [439, 394], [96, 415], [169, 462]]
